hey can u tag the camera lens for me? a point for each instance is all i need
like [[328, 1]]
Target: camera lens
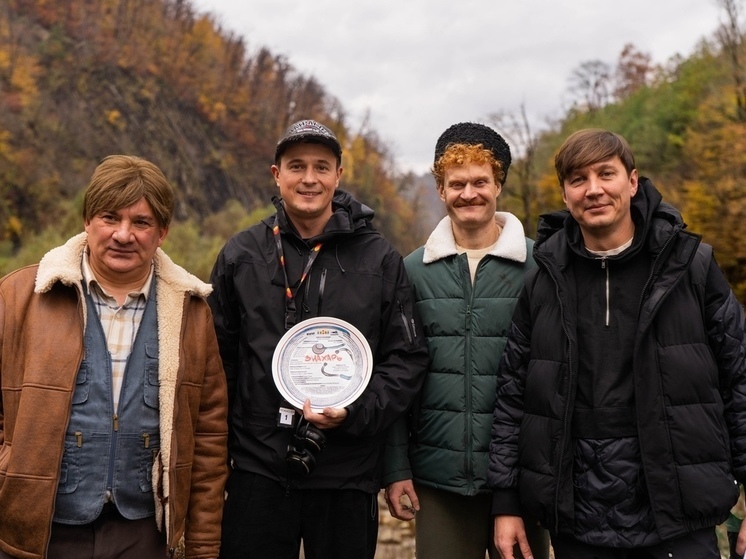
[[307, 442], [312, 438]]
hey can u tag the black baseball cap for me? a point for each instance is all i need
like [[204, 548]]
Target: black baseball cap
[[308, 131]]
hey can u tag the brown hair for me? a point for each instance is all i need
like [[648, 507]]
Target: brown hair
[[121, 180], [589, 146], [461, 154]]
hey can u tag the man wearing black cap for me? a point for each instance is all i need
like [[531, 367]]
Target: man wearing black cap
[[310, 474], [467, 279]]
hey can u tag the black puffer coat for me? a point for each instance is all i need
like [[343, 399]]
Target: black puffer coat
[[689, 375], [358, 277]]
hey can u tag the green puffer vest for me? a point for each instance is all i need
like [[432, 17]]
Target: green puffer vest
[[445, 443]]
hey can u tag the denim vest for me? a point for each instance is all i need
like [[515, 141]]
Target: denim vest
[[108, 454]]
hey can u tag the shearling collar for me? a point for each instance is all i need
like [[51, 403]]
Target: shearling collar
[[63, 264], [511, 243]]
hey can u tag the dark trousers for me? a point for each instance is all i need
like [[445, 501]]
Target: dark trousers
[[451, 526], [701, 544], [264, 520], [110, 535], [732, 540]]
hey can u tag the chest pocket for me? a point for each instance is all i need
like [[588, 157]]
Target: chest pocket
[[82, 384], [150, 378]]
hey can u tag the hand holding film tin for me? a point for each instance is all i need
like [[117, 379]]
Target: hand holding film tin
[[325, 360]]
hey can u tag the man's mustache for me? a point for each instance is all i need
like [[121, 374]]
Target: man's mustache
[[464, 204]]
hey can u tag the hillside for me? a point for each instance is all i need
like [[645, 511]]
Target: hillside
[[686, 125], [82, 80]]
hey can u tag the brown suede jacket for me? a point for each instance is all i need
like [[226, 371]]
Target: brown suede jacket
[[42, 320]]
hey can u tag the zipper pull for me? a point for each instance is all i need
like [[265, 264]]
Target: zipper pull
[[404, 322], [115, 421]]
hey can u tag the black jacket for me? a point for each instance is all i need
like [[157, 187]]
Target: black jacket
[[358, 277], [688, 371]]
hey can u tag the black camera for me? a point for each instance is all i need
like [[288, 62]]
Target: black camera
[[308, 441]]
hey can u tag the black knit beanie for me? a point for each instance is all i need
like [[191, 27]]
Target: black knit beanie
[[471, 133]]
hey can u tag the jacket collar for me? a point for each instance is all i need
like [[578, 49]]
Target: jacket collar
[[656, 221], [348, 216], [63, 264], [511, 244]]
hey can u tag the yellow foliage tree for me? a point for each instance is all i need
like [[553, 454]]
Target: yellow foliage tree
[[715, 196]]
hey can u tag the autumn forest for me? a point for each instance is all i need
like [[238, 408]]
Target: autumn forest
[[81, 79]]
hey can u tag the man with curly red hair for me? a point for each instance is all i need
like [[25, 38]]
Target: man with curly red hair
[[467, 279]]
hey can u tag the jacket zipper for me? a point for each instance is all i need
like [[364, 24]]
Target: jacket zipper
[[112, 456], [304, 306], [306, 288], [468, 319], [605, 266], [322, 285], [567, 409], [405, 322], [653, 271]]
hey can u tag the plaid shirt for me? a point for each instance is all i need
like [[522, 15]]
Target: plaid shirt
[[120, 324]]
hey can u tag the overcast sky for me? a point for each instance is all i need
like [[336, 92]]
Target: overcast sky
[[418, 66]]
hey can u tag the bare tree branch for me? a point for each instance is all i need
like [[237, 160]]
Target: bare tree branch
[[516, 129], [730, 36]]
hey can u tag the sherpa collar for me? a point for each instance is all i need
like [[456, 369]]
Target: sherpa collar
[[63, 264], [511, 243]]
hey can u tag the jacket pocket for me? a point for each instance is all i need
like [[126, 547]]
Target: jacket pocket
[[151, 379], [148, 452], [82, 385], [70, 467]]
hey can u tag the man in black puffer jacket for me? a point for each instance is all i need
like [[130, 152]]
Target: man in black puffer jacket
[[620, 418]]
